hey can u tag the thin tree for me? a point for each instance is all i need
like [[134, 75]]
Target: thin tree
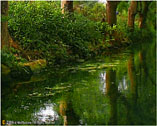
[[4, 25], [132, 11]]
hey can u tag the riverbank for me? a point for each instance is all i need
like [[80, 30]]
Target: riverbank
[[19, 68]]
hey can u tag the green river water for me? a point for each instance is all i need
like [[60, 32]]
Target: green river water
[[118, 89]]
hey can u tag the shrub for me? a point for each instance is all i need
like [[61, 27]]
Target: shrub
[[42, 27], [8, 58]]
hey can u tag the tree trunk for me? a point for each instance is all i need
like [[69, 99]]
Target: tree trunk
[[67, 6], [132, 11], [143, 14], [4, 24], [111, 12], [30, 1]]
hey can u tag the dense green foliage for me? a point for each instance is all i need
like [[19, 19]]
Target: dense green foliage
[[9, 59], [41, 27], [44, 32]]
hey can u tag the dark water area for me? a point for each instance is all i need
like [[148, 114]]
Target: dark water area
[[120, 89]]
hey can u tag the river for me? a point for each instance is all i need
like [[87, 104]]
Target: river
[[116, 89]]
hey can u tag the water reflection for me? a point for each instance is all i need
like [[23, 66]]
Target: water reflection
[[113, 94], [46, 115], [103, 82], [123, 85]]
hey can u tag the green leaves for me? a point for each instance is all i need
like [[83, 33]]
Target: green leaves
[[8, 58], [41, 26]]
